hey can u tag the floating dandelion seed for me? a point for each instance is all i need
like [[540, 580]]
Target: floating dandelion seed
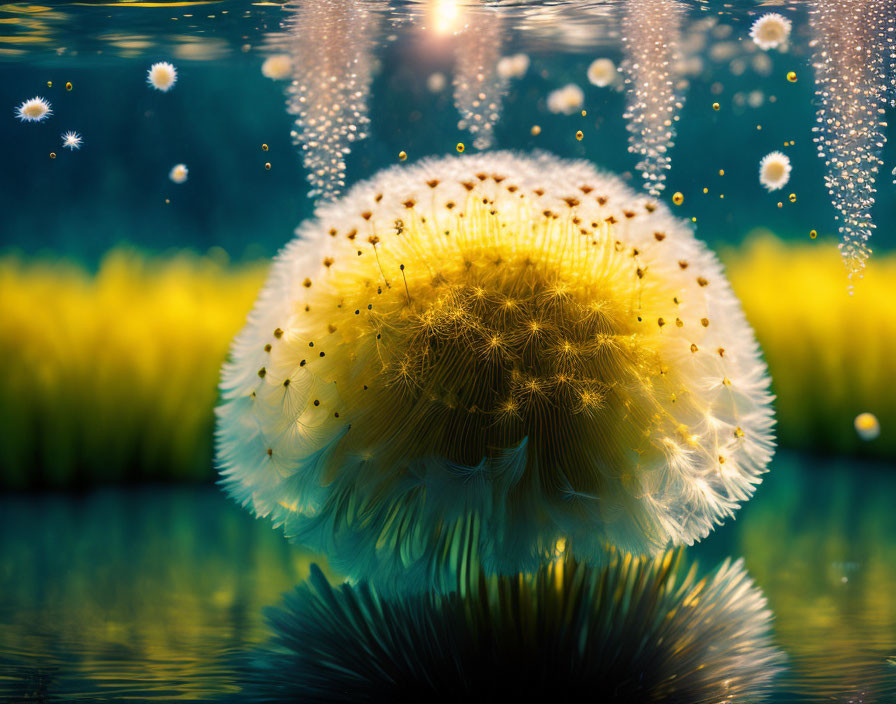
[[513, 66], [867, 426], [774, 171], [162, 76], [651, 36], [602, 73], [72, 140], [566, 100], [178, 173], [483, 354], [850, 84], [770, 31], [632, 631], [35, 110], [479, 86], [436, 82], [277, 67], [330, 45]]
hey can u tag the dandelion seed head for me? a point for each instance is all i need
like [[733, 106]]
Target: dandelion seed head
[[602, 73], [774, 171], [476, 342], [513, 66], [162, 76], [72, 140], [770, 31], [277, 67], [566, 100], [34, 110], [178, 173]]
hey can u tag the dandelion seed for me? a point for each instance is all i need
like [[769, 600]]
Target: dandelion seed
[[566, 100], [770, 31], [162, 76], [35, 110], [72, 140], [602, 73], [178, 173], [774, 171], [867, 426], [513, 66], [436, 82], [525, 396], [277, 67]]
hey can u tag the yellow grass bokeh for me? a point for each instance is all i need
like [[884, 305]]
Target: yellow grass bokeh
[[112, 375]]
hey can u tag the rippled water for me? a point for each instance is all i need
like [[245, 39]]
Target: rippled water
[[154, 593]]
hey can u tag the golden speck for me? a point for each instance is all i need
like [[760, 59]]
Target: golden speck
[[706, 190], [792, 197], [813, 234], [716, 106], [52, 155], [759, 127], [780, 204], [460, 147], [693, 348], [49, 84], [721, 172], [678, 198], [738, 433], [69, 86], [704, 322], [791, 76], [267, 165], [584, 113], [535, 131], [264, 147], [402, 155], [579, 135]]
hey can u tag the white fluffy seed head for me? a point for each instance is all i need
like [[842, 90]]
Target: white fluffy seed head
[[34, 110], [72, 140], [162, 76], [602, 73], [566, 100], [277, 67], [490, 353], [179, 173], [770, 31], [774, 171]]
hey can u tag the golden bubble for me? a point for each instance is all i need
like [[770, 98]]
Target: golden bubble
[[694, 219], [267, 165], [678, 198], [706, 190], [716, 106], [68, 85], [460, 147], [167, 201], [402, 155], [792, 197], [264, 147], [52, 155], [791, 76], [722, 196], [579, 135], [780, 204], [813, 234], [721, 172], [759, 127], [584, 113], [536, 130], [49, 84]]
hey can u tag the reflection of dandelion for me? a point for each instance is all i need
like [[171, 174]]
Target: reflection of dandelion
[[632, 631], [651, 35], [851, 90], [330, 45], [498, 351], [479, 86]]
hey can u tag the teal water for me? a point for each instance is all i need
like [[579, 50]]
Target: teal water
[[153, 594]]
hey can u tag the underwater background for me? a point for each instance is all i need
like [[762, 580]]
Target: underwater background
[[125, 573]]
